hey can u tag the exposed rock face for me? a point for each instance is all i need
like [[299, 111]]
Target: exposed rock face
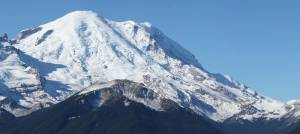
[[100, 93], [4, 38]]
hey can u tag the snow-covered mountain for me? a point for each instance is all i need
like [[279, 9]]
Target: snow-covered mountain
[[60, 58]]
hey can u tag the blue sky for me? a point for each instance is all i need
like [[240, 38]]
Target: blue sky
[[255, 41]]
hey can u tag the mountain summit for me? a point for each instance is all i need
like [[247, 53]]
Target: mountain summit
[[82, 48]]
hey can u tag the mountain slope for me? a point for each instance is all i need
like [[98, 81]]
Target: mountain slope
[[21, 86], [119, 113], [87, 49], [5, 117], [294, 131]]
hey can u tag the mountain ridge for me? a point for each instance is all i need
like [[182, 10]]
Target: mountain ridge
[[119, 112]]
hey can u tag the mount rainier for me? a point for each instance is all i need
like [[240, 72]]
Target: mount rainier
[[82, 52]]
